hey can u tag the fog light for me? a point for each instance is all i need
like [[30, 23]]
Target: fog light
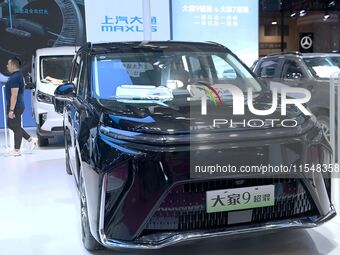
[[42, 118]]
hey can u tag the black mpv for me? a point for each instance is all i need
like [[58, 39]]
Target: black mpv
[[135, 134]]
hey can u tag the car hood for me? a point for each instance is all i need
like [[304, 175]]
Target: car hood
[[182, 117]]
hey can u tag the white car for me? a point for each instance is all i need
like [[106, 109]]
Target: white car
[[50, 68]]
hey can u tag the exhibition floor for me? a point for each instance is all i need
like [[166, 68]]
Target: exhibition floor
[[39, 214]]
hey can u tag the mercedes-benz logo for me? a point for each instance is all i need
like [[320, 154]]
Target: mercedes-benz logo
[[306, 42]]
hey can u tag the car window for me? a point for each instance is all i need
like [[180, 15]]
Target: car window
[[82, 80], [291, 70], [267, 68], [165, 74], [57, 67], [197, 68], [335, 61], [323, 66], [75, 70], [223, 69]]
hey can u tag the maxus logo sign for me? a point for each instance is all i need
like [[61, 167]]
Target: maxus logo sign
[[238, 102], [115, 21], [126, 24]]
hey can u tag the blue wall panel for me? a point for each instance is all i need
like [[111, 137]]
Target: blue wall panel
[[28, 121]]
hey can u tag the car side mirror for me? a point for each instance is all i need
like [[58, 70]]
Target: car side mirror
[[62, 94], [65, 92]]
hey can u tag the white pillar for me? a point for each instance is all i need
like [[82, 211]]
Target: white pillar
[[5, 117]]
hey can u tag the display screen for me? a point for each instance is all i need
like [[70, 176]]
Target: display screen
[[233, 23]]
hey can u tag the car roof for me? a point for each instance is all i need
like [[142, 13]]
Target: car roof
[[153, 45], [299, 55], [310, 55], [57, 51]]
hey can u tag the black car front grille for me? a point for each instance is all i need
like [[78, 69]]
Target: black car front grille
[[184, 207]]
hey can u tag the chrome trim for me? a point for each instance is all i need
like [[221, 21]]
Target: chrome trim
[[102, 234], [163, 138], [177, 238], [64, 99]]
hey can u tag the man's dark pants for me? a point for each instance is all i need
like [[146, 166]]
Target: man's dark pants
[[15, 126]]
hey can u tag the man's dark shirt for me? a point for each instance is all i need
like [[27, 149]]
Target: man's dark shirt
[[16, 80]]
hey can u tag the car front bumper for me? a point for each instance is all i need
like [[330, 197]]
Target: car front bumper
[[48, 121], [134, 191], [172, 239]]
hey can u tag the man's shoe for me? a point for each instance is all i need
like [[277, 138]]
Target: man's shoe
[[14, 153], [33, 143]]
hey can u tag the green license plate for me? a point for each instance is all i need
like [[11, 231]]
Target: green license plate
[[239, 199]]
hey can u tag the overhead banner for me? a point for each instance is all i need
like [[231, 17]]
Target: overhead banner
[[109, 21], [233, 23]]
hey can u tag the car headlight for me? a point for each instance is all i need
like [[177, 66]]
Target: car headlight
[[45, 98]]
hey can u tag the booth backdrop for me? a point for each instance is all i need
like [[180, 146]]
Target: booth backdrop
[[52, 23]]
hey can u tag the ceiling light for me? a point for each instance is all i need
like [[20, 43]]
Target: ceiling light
[[302, 13], [331, 4], [274, 22], [293, 14], [326, 16]]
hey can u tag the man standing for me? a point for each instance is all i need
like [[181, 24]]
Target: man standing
[[15, 105]]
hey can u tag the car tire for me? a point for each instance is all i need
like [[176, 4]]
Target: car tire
[[90, 243], [42, 141]]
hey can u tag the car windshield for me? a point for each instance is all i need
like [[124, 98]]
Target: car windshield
[[323, 67], [57, 67], [163, 75]]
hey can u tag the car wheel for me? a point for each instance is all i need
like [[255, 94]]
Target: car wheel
[[324, 121], [89, 241], [42, 141], [67, 158]]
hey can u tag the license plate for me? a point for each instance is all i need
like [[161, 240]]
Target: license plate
[[240, 198]]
